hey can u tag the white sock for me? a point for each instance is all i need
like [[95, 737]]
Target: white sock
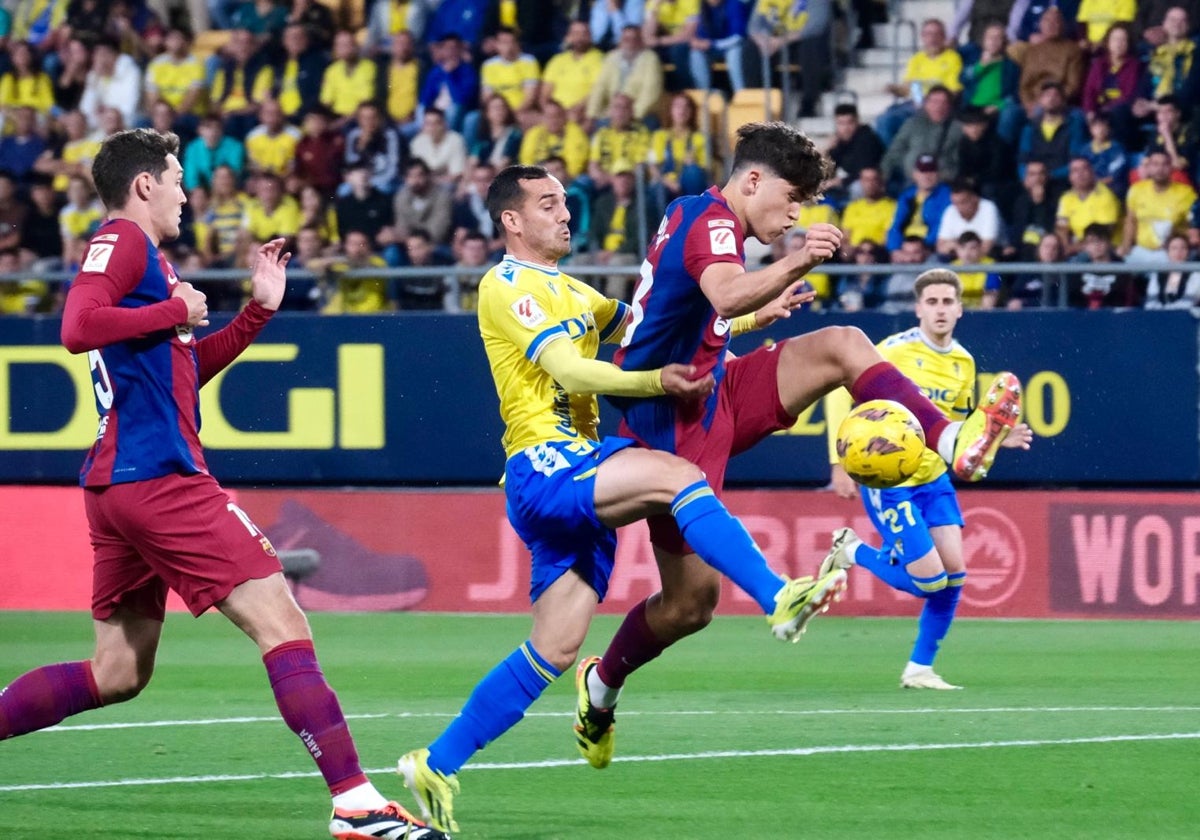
[[364, 797], [947, 440], [851, 548], [601, 695], [913, 668]]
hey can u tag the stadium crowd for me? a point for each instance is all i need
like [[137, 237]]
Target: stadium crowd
[[368, 135]]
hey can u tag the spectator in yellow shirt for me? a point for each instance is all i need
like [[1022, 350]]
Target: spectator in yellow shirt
[[630, 69], [24, 85], [177, 77], [357, 294], [1155, 207], [398, 81], [271, 145], [242, 80], [938, 64], [1099, 15], [555, 136], [1087, 202], [667, 29], [271, 213], [512, 74], [679, 154], [622, 144], [570, 76], [868, 218], [349, 80]]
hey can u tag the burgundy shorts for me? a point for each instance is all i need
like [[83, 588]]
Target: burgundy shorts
[[180, 532], [748, 410]]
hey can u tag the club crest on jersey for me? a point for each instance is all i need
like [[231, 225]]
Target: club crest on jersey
[[722, 241], [528, 312], [184, 333], [721, 326]]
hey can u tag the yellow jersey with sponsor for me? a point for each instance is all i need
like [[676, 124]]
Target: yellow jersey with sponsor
[[523, 307], [783, 16], [945, 375], [1159, 213], [345, 87]]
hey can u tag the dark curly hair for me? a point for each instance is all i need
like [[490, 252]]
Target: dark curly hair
[[786, 151]]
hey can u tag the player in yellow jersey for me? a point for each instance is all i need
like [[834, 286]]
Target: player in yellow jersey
[[567, 488], [920, 520]]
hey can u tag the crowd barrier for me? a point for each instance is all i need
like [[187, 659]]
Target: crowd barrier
[[406, 399]]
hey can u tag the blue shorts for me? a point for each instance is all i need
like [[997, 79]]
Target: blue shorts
[[551, 503], [904, 515]]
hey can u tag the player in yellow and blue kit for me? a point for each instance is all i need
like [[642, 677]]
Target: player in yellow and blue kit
[[567, 489], [920, 520]]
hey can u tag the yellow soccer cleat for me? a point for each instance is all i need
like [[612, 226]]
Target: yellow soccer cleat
[[593, 727], [802, 599], [434, 791], [986, 428]]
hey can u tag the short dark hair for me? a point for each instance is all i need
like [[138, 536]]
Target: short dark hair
[[846, 109], [787, 152], [1098, 230], [969, 236], [964, 183], [506, 192], [127, 154]]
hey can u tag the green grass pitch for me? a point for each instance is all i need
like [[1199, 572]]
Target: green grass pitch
[[1065, 730]]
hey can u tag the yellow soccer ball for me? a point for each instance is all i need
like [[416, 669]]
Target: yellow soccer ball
[[880, 443]]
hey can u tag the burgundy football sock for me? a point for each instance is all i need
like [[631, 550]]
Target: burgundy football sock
[[45, 696], [310, 709], [632, 647], [882, 381]]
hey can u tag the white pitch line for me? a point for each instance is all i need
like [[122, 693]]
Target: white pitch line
[[994, 710], [636, 759]]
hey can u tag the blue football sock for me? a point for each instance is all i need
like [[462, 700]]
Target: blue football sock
[[724, 543], [934, 623], [878, 561], [496, 705]]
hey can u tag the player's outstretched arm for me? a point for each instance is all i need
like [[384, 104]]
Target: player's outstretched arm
[[580, 375], [267, 282], [733, 291], [268, 274]]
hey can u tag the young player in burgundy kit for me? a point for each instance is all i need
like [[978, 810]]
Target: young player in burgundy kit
[[157, 519], [694, 292]]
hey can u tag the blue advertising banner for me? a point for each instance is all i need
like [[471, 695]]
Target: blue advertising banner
[[407, 398]]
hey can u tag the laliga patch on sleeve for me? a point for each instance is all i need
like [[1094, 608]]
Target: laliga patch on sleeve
[[97, 257], [722, 241], [528, 312]]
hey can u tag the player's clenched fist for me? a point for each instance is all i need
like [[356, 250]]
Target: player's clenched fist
[[821, 242], [680, 381], [197, 304]]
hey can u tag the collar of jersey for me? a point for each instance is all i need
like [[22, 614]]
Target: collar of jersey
[[545, 269]]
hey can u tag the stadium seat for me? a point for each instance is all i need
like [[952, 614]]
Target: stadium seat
[[750, 105]]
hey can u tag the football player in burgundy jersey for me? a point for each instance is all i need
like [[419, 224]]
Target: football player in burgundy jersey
[[158, 520], [694, 293]]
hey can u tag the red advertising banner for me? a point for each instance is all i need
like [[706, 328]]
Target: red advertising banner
[[1034, 554]]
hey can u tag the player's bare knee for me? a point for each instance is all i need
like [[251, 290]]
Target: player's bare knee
[[120, 680], [680, 474]]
